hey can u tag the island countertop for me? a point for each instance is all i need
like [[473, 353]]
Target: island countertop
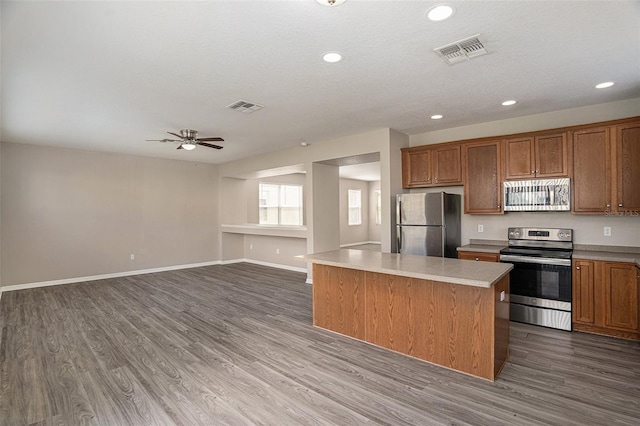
[[453, 271]]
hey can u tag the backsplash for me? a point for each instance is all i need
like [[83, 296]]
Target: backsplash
[[587, 229]]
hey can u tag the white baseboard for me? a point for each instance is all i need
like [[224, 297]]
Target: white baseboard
[[360, 243], [105, 276], [140, 272], [259, 262]]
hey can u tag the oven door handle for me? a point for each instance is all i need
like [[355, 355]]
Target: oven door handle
[[538, 260]]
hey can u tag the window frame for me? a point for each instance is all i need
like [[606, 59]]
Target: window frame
[[281, 204], [351, 208]]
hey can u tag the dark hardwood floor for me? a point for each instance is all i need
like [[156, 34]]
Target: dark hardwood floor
[[234, 345]]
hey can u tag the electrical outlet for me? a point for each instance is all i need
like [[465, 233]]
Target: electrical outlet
[[277, 251], [503, 296], [132, 257], [480, 228], [607, 231]]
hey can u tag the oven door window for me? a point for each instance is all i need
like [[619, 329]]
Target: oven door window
[[541, 281]]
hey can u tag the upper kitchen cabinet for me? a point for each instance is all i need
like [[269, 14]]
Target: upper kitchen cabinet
[[537, 156], [592, 170], [434, 165], [628, 167], [482, 177], [416, 167], [606, 169]]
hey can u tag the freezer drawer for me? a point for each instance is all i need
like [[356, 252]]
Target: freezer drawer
[[421, 240]]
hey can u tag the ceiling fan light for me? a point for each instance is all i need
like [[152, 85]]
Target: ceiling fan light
[[188, 146]]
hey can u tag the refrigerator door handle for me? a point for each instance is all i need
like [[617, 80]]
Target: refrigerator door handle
[[399, 238]]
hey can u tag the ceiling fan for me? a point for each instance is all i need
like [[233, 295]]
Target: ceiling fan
[[188, 140]]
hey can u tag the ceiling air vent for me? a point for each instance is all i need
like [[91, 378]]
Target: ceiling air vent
[[244, 106], [462, 50]]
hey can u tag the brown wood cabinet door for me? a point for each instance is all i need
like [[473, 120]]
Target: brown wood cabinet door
[[592, 170], [621, 296], [416, 168], [482, 177], [519, 155], [446, 165], [479, 256], [584, 291], [551, 156], [628, 168]]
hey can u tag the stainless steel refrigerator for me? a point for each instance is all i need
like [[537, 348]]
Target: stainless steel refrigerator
[[428, 224]]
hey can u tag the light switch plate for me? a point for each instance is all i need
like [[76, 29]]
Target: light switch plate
[[480, 228], [607, 231]]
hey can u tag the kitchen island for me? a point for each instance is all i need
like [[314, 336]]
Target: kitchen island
[[450, 312]]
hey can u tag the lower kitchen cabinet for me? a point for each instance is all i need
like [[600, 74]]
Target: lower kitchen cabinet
[[480, 256], [606, 298]]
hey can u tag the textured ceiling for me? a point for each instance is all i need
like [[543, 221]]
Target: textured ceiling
[[108, 75]]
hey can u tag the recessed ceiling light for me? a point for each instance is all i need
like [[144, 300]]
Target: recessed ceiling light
[[332, 57], [440, 13], [304, 144], [509, 103], [436, 116], [331, 2], [604, 85]]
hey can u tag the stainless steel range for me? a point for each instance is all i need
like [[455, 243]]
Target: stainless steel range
[[541, 275]]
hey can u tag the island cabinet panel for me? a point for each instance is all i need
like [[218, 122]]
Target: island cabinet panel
[[462, 327], [403, 327], [338, 300]]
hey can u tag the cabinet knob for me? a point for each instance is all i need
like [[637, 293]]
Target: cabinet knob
[[498, 205], [578, 268], [619, 204], [436, 179], [537, 171], [477, 258], [533, 172], [608, 205]]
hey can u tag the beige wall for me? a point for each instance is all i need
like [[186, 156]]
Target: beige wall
[[588, 228], [72, 213], [275, 250]]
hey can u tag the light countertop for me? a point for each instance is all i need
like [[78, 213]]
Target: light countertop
[[482, 248], [454, 271], [608, 256]]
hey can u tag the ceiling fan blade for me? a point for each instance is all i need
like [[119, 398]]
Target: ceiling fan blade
[[215, 139], [210, 145], [175, 134], [180, 147], [162, 140]]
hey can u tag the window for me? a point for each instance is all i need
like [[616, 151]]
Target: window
[[280, 204], [378, 208], [355, 207]]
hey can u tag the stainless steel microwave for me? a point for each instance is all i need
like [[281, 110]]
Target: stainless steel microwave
[[537, 195]]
